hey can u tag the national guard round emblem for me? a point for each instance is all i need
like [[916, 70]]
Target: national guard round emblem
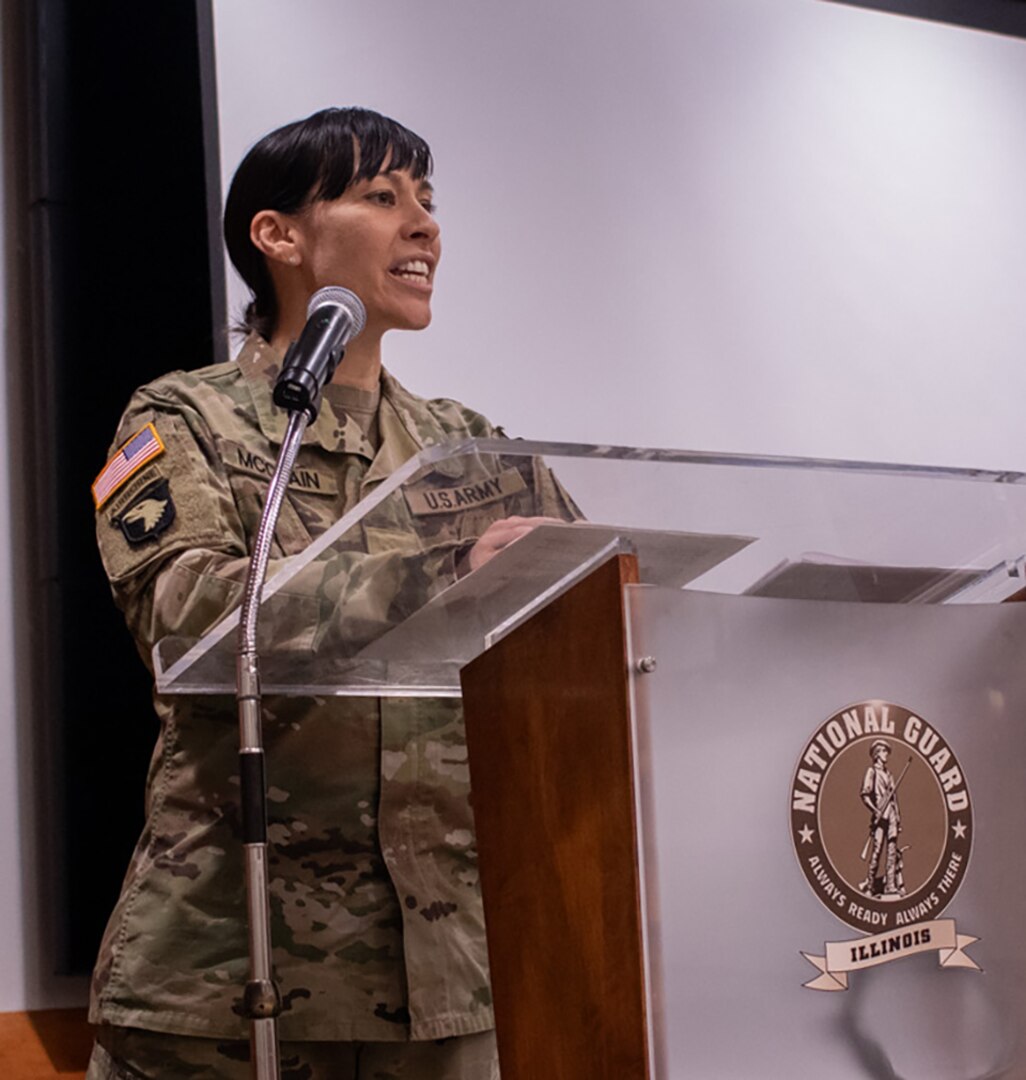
[[881, 817]]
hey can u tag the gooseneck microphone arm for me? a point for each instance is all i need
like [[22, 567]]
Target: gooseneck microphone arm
[[334, 317]]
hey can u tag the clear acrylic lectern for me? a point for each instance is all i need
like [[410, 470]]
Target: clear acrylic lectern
[[721, 523], [746, 735]]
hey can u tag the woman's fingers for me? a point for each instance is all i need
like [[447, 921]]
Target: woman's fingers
[[500, 534]]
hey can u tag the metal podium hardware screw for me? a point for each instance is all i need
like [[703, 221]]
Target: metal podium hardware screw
[[646, 665]]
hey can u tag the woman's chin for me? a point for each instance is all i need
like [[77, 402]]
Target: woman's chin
[[414, 320]]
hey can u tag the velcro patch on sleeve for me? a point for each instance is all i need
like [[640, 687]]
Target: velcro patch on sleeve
[[149, 513], [423, 501], [131, 456]]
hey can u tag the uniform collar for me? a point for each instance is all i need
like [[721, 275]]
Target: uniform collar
[[260, 363]]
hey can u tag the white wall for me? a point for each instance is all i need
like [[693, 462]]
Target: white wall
[[780, 226]]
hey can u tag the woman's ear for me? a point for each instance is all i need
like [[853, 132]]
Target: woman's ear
[[275, 235]]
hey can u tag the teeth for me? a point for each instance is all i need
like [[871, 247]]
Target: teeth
[[413, 270]]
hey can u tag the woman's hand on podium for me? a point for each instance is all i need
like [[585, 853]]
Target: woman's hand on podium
[[500, 534]]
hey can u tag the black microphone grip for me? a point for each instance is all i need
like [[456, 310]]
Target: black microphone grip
[[311, 360]]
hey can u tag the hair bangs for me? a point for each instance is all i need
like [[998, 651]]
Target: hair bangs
[[365, 144]]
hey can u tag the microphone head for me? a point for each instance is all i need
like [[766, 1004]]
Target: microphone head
[[340, 297]]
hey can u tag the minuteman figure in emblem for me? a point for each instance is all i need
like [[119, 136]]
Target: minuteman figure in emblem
[[879, 792]]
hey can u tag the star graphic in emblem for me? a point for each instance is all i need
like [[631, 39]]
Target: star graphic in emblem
[[806, 834], [959, 830]]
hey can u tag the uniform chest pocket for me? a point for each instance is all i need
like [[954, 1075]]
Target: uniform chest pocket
[[308, 508], [291, 535]]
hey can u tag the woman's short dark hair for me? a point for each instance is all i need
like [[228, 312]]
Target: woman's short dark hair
[[301, 163]]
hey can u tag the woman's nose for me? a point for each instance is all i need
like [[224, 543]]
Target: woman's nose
[[422, 224]]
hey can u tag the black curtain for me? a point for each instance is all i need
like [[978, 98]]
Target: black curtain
[[126, 284]]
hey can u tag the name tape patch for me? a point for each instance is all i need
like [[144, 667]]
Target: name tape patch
[[466, 496], [310, 481], [131, 456]]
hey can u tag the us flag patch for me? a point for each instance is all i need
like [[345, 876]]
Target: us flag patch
[[143, 446]]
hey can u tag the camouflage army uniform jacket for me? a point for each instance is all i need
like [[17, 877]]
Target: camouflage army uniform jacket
[[376, 914]]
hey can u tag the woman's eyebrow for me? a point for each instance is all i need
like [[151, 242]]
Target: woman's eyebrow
[[424, 186]]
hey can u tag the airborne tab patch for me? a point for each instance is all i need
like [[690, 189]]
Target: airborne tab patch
[[143, 446], [149, 513]]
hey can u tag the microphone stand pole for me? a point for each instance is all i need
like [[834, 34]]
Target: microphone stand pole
[[261, 999], [334, 317]]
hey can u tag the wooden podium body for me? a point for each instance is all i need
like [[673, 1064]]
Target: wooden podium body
[[548, 731]]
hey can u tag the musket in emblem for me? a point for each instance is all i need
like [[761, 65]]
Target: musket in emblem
[[882, 810]]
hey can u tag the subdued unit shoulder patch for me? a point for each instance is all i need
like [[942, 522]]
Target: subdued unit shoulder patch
[[149, 513], [132, 455]]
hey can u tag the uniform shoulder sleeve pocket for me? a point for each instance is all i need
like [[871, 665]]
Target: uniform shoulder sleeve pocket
[[159, 495]]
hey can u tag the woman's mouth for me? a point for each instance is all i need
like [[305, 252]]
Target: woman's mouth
[[415, 270]]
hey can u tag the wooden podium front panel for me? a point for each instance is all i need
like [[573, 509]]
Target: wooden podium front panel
[[548, 730]]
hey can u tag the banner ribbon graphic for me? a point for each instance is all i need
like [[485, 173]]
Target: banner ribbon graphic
[[842, 957]]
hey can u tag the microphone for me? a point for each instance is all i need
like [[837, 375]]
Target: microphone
[[334, 317]]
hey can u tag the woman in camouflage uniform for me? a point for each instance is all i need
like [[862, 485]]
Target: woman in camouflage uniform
[[376, 917]]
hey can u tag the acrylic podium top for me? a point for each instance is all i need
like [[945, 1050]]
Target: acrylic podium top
[[382, 603]]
